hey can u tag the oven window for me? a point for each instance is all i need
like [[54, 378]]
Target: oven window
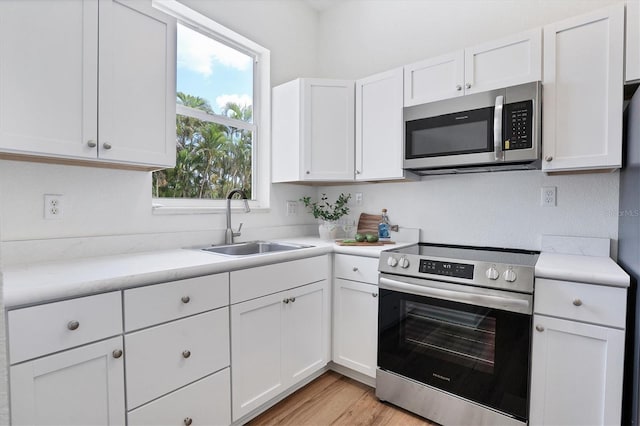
[[466, 338], [451, 134]]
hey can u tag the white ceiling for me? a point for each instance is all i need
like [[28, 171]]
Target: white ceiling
[[321, 5]]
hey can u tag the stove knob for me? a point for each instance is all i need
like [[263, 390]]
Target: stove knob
[[404, 262], [509, 275], [392, 261], [492, 273]]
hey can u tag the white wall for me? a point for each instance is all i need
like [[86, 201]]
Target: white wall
[[363, 37]]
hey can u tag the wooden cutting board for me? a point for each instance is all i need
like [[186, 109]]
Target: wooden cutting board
[[368, 223]]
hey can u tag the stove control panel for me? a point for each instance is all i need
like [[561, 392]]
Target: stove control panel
[[448, 269]]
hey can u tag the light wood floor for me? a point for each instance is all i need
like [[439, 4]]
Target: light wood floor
[[333, 399]]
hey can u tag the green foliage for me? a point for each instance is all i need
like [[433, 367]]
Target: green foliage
[[325, 210], [211, 158]]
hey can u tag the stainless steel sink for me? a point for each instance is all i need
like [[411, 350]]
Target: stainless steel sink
[[252, 248]]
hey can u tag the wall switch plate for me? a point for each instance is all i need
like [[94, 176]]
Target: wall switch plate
[[548, 196], [53, 208], [358, 198], [292, 208]]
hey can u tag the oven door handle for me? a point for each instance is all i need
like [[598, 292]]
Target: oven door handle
[[489, 301]]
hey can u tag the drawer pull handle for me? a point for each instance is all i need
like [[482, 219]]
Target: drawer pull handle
[[374, 294], [186, 354], [286, 300], [185, 299], [188, 421], [293, 299], [577, 302], [73, 325], [117, 353], [539, 328], [355, 269]]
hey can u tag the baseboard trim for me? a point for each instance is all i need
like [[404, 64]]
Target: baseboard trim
[[352, 374]]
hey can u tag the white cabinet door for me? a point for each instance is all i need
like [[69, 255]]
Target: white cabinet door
[[83, 386], [48, 77], [502, 63], [576, 373], [328, 129], [632, 63], [434, 79], [355, 326], [379, 126], [307, 329], [256, 352], [582, 90], [137, 83]]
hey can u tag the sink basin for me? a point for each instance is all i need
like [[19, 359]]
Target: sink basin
[[252, 248]]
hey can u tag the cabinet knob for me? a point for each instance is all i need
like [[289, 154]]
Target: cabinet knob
[[292, 299], [308, 172], [285, 301], [186, 354], [548, 158], [458, 87], [357, 172], [355, 269], [374, 294], [106, 145], [539, 328], [185, 299], [91, 143], [188, 421], [73, 325], [117, 353], [577, 302], [467, 86]]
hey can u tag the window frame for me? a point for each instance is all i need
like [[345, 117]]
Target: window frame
[[261, 125]]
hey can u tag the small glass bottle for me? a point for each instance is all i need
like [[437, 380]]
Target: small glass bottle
[[383, 226]]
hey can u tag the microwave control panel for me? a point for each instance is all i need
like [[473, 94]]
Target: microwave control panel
[[518, 125], [448, 269]]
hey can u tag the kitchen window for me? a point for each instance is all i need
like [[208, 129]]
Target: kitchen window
[[222, 118]]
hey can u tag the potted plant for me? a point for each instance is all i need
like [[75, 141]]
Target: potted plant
[[328, 213]]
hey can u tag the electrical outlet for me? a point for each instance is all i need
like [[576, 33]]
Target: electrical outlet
[[292, 208], [358, 198], [548, 196], [53, 208]]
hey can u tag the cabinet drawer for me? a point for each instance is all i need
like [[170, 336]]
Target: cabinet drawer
[[43, 329], [356, 268], [163, 358], [206, 402], [263, 280], [155, 304], [595, 304]]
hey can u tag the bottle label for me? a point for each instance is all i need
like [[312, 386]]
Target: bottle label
[[383, 230]]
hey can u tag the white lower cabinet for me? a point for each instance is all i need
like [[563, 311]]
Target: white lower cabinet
[[205, 402], [82, 386], [277, 341], [355, 331], [577, 359]]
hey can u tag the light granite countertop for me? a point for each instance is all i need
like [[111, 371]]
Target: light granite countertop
[[584, 269], [49, 281]]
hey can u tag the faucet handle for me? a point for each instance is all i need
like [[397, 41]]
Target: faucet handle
[[237, 233]]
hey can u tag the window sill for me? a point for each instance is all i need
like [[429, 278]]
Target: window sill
[[215, 207]]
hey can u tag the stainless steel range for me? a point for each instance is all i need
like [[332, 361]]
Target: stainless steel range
[[454, 332]]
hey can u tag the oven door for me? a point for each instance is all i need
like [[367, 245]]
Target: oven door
[[471, 342]]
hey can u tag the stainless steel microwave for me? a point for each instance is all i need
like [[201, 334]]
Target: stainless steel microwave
[[488, 131]]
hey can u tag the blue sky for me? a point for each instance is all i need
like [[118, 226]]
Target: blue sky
[[212, 70]]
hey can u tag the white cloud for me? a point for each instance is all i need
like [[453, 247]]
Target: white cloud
[[242, 100], [197, 52]]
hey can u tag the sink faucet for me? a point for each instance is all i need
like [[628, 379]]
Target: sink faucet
[[229, 234]]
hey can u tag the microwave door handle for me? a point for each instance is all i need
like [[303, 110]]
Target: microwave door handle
[[497, 128]]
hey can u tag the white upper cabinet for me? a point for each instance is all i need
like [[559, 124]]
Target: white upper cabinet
[[506, 62], [379, 126], [313, 130], [434, 79], [53, 96], [582, 91], [632, 67]]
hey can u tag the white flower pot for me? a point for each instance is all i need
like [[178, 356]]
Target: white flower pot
[[328, 231]]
